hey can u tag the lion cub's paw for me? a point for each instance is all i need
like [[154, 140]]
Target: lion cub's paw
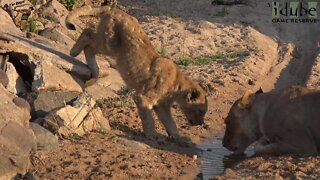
[[90, 82], [152, 135], [182, 140]]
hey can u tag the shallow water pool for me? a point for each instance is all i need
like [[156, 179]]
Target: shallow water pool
[[215, 158]]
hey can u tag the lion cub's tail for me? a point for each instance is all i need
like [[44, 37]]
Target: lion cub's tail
[[83, 11]]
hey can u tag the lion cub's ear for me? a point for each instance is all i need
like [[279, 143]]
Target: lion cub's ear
[[247, 100], [193, 95]]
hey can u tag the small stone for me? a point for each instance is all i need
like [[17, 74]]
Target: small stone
[[264, 166], [229, 173], [277, 176], [251, 82], [194, 157], [300, 174], [124, 166]]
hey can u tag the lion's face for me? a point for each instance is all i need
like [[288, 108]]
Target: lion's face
[[240, 131], [195, 106]]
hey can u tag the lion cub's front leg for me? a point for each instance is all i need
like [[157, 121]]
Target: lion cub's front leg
[[163, 111], [86, 43], [85, 39]]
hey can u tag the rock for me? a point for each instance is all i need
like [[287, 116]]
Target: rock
[[54, 11], [79, 118], [104, 66], [16, 84], [16, 144], [6, 23], [28, 176], [38, 121], [22, 103], [132, 144], [4, 80], [95, 120], [107, 86], [10, 111], [45, 139], [49, 77], [7, 169], [46, 101], [36, 49], [115, 80], [56, 35], [22, 137], [25, 106]]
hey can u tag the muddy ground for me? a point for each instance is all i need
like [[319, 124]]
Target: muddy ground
[[228, 49]]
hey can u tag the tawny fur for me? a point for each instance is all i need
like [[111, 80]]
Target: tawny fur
[[158, 82], [281, 123]]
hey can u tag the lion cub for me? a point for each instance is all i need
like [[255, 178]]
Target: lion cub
[[283, 123], [158, 82]]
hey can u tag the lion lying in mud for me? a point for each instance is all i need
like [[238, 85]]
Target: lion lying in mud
[[283, 123], [158, 82]]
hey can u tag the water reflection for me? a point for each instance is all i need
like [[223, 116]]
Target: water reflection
[[215, 158]]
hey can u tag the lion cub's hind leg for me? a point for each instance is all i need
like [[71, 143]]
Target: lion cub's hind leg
[[146, 117]]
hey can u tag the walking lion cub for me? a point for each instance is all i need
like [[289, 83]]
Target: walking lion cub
[[281, 123], [158, 82]]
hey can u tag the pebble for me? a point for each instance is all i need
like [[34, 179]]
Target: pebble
[[194, 157]]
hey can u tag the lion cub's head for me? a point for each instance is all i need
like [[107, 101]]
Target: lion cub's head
[[241, 125], [194, 105]]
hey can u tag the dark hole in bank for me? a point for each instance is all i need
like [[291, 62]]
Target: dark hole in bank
[[23, 67]]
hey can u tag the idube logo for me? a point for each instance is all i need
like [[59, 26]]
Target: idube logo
[[294, 12]]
